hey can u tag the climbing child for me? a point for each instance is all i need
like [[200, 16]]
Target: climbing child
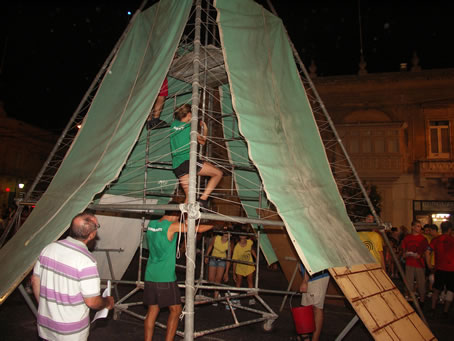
[[179, 145]]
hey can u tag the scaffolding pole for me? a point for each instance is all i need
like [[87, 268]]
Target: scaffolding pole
[[193, 206]]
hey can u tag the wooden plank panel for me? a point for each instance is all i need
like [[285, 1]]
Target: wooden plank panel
[[422, 327], [383, 279], [373, 266], [406, 330], [364, 284], [403, 301], [359, 268], [383, 335], [348, 289], [390, 330], [379, 310], [365, 316], [399, 310], [380, 305]]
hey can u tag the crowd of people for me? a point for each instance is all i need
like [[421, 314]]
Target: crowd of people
[[426, 254]]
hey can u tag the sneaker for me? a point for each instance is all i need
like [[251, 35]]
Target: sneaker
[[203, 203], [251, 301], [214, 304], [155, 122]]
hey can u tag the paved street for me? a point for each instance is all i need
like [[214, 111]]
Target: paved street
[[17, 322]]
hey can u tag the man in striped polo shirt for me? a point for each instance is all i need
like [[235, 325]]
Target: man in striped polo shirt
[[66, 283]]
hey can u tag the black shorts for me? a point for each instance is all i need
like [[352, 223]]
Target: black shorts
[[183, 168], [163, 294], [443, 278]]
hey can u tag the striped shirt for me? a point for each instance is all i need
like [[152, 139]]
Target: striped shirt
[[68, 274]]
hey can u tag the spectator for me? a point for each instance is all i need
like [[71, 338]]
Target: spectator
[[431, 234], [66, 283], [315, 296], [374, 242], [443, 249], [244, 252], [218, 268], [414, 246]]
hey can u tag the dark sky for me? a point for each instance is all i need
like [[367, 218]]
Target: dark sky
[[51, 51]]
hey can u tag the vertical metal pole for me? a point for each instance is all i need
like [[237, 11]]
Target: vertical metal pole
[[202, 262], [257, 257], [289, 286], [144, 200], [112, 275], [209, 149], [28, 300], [193, 208]]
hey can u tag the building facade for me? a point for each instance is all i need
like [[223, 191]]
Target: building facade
[[398, 131], [24, 149]]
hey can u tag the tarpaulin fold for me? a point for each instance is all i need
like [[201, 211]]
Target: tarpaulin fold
[[276, 120]]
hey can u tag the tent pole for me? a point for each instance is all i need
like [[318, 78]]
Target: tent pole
[[193, 205]]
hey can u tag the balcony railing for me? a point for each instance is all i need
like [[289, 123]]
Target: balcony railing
[[436, 168]]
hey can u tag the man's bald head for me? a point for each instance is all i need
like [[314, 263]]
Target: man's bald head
[[82, 225]]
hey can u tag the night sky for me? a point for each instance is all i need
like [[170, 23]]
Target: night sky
[[51, 51]]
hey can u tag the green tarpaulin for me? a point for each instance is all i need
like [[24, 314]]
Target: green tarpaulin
[[284, 143], [109, 132], [248, 183], [273, 114]]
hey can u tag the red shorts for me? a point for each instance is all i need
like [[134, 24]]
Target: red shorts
[[164, 88]]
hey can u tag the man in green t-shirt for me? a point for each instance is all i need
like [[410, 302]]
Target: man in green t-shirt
[[179, 145], [161, 288]]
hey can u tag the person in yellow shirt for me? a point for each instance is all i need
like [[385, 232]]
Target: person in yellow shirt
[[218, 266], [244, 252], [374, 242]]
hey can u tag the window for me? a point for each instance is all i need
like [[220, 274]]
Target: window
[[439, 141]]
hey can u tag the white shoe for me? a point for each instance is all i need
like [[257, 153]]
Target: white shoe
[[252, 301]]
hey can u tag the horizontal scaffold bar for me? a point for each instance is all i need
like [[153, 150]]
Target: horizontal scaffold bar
[[147, 208], [224, 164]]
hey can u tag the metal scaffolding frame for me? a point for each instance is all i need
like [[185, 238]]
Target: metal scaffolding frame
[[192, 207]]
